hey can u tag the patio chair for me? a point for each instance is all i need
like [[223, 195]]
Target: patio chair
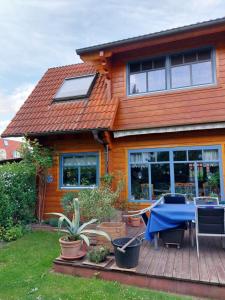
[[206, 200], [175, 236], [210, 222], [174, 198], [143, 213]]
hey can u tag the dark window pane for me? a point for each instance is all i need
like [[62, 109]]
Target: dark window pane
[[176, 59], [180, 155], [159, 63], [138, 83], [180, 76], [75, 87], [208, 179], [147, 65], [184, 175], [70, 176], [139, 182], [88, 176], [156, 80], [195, 154], [202, 73], [204, 54], [160, 174], [163, 156], [135, 67], [190, 57]]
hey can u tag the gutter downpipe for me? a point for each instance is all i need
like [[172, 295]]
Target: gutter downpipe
[[101, 141]]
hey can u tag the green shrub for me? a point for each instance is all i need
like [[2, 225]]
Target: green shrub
[[17, 194], [99, 202], [67, 201], [13, 233], [98, 254], [53, 222]]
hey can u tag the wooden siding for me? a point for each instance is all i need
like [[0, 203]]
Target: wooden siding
[[173, 107], [198, 138], [118, 155], [67, 144]]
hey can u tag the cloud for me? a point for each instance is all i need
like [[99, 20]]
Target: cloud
[[38, 34], [10, 103]]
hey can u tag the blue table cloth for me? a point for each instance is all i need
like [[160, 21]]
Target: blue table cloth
[[166, 216]]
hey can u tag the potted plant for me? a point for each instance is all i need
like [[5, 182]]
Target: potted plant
[[100, 203], [135, 221], [98, 254], [75, 234]]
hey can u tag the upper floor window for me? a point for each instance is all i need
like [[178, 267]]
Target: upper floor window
[[172, 71]]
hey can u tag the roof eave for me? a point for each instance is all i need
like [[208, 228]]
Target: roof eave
[[145, 37], [46, 133]]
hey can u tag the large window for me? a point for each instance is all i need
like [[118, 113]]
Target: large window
[[195, 171], [79, 170], [186, 69]]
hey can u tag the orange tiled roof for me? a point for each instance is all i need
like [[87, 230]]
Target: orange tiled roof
[[40, 115]]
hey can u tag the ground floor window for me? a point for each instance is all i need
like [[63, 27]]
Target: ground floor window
[[195, 171], [79, 170]]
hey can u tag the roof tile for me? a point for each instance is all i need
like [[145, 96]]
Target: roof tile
[[39, 114]]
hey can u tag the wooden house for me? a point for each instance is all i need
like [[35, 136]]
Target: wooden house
[[151, 107]]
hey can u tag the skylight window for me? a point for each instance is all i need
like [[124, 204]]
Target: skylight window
[[76, 87]]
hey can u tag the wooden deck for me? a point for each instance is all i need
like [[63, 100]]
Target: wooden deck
[[168, 269]]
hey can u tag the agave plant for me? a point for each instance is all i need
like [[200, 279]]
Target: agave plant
[[73, 229]]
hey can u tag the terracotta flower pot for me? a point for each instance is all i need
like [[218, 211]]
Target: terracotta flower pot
[[70, 249], [135, 221]]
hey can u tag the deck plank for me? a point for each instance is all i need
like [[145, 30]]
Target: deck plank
[[182, 263]]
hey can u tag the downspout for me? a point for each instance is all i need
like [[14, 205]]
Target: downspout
[[101, 141]]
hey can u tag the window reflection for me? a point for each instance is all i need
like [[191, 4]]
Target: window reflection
[[160, 174], [180, 76], [139, 182], [208, 179], [194, 172], [156, 80], [138, 83], [184, 175]]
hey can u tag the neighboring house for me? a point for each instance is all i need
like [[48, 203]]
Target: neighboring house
[[9, 149], [151, 107]]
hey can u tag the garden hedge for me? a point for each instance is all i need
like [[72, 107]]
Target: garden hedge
[[17, 193]]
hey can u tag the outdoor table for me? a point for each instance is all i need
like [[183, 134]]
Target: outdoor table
[[167, 216]]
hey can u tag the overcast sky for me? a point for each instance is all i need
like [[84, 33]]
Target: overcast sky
[[38, 34]]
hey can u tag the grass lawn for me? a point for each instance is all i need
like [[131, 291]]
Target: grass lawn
[[25, 273]]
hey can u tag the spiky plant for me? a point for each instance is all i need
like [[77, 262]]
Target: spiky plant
[[73, 229]]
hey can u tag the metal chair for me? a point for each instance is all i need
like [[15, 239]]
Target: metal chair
[[143, 213], [210, 221], [206, 200], [174, 198]]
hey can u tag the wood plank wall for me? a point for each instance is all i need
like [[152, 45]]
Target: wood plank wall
[[138, 110], [165, 108], [118, 158]]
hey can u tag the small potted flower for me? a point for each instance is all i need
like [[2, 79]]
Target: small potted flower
[[98, 254], [75, 234]]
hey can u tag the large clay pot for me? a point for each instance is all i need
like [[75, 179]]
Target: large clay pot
[[114, 229], [135, 221], [70, 249]]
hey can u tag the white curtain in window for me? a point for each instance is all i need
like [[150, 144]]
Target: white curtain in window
[[81, 160], [136, 158], [210, 155]]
